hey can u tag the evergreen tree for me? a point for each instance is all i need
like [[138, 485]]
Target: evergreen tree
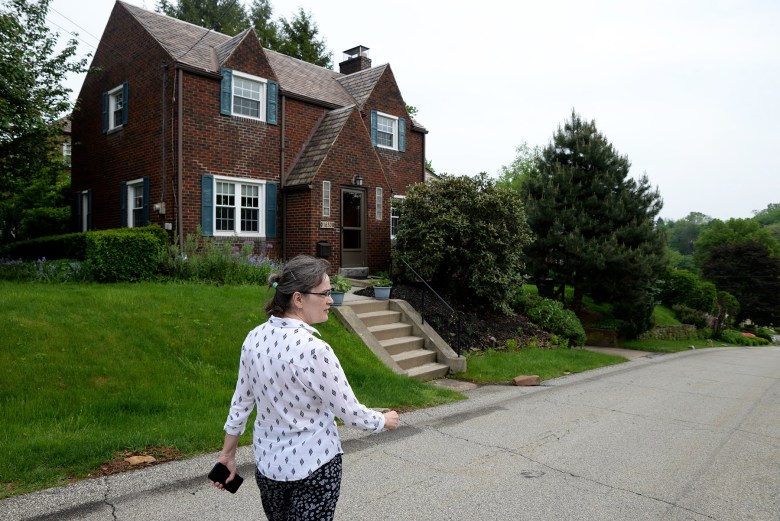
[[223, 16], [298, 38], [594, 226], [32, 102]]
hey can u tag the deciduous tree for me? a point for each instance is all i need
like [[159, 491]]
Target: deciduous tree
[[750, 272], [33, 99]]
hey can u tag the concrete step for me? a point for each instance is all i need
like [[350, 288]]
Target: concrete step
[[388, 331], [416, 358], [377, 318], [394, 346], [367, 306], [428, 371]]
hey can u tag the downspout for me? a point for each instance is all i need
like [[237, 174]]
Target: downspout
[[281, 184], [179, 167]]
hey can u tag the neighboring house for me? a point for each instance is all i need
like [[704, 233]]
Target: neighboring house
[[185, 127]]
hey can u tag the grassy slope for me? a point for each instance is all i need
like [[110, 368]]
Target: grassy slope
[[89, 370]]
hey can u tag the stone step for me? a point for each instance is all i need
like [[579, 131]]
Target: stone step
[[388, 331], [400, 344], [416, 358], [428, 371], [377, 318]]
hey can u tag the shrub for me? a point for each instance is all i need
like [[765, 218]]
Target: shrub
[[40, 222], [465, 234], [551, 316], [731, 336], [122, 255], [681, 287], [688, 315], [68, 246]]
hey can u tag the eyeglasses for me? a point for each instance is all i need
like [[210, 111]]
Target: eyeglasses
[[325, 294]]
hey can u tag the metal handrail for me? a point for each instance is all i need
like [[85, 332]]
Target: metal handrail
[[422, 306]]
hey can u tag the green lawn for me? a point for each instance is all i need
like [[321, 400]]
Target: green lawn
[[503, 366], [87, 371]]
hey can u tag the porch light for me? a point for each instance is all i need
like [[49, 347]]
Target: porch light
[[358, 180]]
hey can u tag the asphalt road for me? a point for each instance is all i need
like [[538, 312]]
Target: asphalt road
[[693, 436]]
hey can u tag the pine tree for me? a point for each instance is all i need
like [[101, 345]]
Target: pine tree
[[298, 38], [223, 16], [594, 226]]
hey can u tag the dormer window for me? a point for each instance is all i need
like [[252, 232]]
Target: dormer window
[[388, 131], [248, 96]]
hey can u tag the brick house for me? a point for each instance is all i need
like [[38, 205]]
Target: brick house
[[185, 127]]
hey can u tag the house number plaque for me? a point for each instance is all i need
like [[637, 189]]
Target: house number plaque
[[327, 224]]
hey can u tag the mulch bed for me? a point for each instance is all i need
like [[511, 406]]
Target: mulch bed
[[479, 330]]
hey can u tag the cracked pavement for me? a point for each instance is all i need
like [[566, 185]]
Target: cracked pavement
[[691, 436]]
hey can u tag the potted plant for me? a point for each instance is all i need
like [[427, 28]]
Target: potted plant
[[382, 286], [339, 285]]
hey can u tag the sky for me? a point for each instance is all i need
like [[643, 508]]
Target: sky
[[688, 90]]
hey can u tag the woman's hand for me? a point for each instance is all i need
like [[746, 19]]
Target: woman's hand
[[391, 420]]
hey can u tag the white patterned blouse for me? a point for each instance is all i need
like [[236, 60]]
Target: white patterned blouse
[[299, 388]]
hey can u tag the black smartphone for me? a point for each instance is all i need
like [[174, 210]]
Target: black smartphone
[[220, 473]]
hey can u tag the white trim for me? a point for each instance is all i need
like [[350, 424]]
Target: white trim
[[238, 182], [263, 95], [379, 203], [130, 198], [326, 198], [394, 218], [394, 133], [112, 106]]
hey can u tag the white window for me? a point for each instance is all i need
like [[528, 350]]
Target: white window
[[386, 131], [67, 151], [116, 105], [135, 203], [395, 215], [237, 207], [326, 198], [379, 203], [248, 96]]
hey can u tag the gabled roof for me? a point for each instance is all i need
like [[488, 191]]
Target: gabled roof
[[206, 50], [317, 148], [361, 84]]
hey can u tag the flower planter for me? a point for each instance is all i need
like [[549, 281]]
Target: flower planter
[[338, 298], [382, 292]]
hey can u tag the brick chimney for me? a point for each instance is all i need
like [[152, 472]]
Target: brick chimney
[[355, 59]]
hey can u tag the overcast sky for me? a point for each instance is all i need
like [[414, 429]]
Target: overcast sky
[[689, 90]]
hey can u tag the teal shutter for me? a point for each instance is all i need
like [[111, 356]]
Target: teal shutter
[[401, 135], [207, 205], [79, 210], [373, 127], [125, 102], [147, 184], [270, 210], [123, 203], [226, 93], [272, 107], [105, 112]]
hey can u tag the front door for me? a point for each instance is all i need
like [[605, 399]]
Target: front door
[[353, 233]]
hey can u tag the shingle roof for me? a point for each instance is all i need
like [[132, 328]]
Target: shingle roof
[[361, 84], [207, 50], [316, 150]]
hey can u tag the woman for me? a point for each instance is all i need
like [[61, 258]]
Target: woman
[[299, 387]]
